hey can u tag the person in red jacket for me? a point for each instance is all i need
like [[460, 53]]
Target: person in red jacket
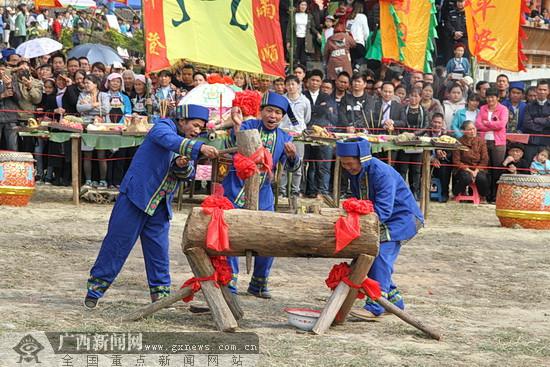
[[57, 28]]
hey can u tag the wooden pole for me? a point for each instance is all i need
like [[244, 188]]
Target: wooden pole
[[164, 302], [359, 271], [248, 142], [202, 267], [425, 182], [75, 171], [339, 295], [292, 20], [390, 307]]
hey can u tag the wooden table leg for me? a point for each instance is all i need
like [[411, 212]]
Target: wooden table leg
[[336, 182], [425, 183], [180, 197], [75, 171], [340, 294], [214, 175], [359, 271]]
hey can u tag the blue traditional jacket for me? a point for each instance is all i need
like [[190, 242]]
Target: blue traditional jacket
[[274, 141], [393, 201], [150, 178]]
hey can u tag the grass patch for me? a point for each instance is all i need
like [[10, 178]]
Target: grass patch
[[516, 342]]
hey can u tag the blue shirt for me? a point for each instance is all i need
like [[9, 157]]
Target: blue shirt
[[273, 140], [393, 201]]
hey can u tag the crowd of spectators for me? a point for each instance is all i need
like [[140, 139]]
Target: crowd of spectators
[[23, 23], [331, 85]]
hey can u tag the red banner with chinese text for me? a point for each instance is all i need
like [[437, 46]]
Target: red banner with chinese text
[[494, 32]]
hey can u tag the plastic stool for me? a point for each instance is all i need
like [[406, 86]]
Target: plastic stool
[[474, 197], [436, 195]]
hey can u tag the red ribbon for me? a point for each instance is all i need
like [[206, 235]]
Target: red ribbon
[[340, 272], [348, 228], [221, 276], [217, 235], [247, 167]]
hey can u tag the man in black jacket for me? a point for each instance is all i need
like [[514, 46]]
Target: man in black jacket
[[70, 97], [387, 113], [537, 121], [456, 25], [343, 99], [318, 172]]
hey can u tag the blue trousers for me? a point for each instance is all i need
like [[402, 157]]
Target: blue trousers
[[381, 271], [258, 282], [127, 223]]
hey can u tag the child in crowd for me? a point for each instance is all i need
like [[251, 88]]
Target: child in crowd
[[328, 31], [541, 163], [458, 64], [514, 160]]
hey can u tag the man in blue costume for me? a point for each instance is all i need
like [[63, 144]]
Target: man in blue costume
[[279, 144], [143, 208], [400, 217]]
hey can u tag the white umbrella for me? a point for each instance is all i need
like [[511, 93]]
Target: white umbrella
[[212, 96], [208, 95], [38, 47]]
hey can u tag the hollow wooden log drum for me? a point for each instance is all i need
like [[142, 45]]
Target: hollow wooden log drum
[[16, 178], [524, 200]]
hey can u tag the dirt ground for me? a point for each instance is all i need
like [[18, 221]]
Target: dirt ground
[[485, 287]]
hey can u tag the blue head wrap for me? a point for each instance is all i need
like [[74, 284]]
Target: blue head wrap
[[355, 147], [192, 111], [517, 85], [276, 100]]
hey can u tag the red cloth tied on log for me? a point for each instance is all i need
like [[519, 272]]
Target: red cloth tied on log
[[247, 167], [348, 228], [221, 276], [340, 273], [217, 235]]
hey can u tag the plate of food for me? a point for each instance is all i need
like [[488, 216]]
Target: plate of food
[[68, 123], [105, 129], [407, 139], [136, 125], [446, 141], [320, 133]]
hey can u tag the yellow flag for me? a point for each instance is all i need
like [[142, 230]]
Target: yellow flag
[[494, 32], [408, 30], [238, 34]]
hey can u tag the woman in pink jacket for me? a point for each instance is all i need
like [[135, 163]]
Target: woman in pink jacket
[[491, 123]]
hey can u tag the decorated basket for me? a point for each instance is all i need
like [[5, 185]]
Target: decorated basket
[[524, 200], [16, 178]]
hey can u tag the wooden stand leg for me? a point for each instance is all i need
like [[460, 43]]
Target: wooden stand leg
[[336, 300], [75, 172], [233, 303], [359, 271], [425, 182], [159, 305], [202, 267]]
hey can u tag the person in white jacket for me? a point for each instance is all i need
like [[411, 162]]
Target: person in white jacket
[[301, 108], [358, 25]]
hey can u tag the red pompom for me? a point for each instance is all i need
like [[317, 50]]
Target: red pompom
[[249, 102]]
